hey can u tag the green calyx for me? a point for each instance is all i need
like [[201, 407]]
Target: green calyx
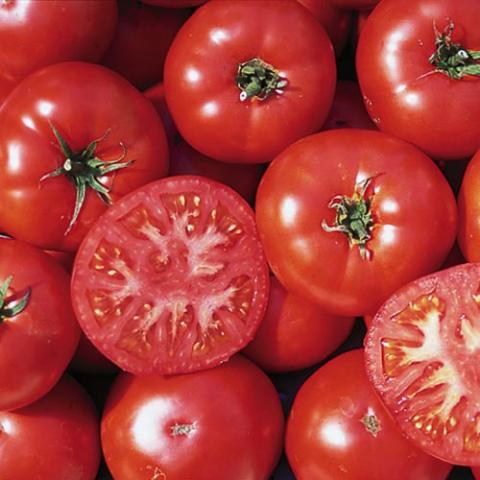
[[258, 79], [354, 217], [84, 169], [9, 309], [452, 59]]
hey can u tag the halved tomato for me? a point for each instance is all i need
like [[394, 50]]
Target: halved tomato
[[172, 278], [423, 356]]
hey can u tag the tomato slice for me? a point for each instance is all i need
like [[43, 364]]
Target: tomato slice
[[172, 278], [423, 357]]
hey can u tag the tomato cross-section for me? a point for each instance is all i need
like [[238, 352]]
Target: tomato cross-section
[[422, 355], [172, 278]]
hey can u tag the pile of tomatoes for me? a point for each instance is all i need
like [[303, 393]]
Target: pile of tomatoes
[[238, 239]]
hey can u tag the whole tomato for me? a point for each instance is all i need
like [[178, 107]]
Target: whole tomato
[[412, 56], [34, 34], [74, 137], [38, 329], [338, 429], [222, 423], [355, 4], [239, 88], [336, 21], [174, 3], [358, 214], [54, 438], [141, 41], [295, 333]]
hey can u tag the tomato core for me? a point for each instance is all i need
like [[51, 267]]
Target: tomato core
[[9, 309], [258, 79], [452, 59]]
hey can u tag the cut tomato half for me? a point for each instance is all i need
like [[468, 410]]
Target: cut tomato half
[[423, 357], [172, 278]]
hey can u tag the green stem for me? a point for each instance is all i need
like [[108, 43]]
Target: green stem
[[9, 309]]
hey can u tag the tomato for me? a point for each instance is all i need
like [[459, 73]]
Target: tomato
[[156, 95], [336, 21], [35, 34], [55, 437], [222, 423], [64, 258], [348, 109], [422, 356], [476, 473], [242, 178], [295, 333], [174, 3], [414, 54], [89, 360], [355, 4], [239, 89], [38, 329], [172, 278], [469, 211], [338, 429], [113, 142], [141, 42], [359, 214]]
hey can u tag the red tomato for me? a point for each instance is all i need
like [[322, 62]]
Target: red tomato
[[476, 473], [35, 34], [174, 3], [242, 178], [114, 143], [38, 329], [141, 42], [355, 4], [88, 359], [412, 56], [336, 21], [172, 278], [338, 429], [348, 109], [359, 214], [469, 211], [239, 88], [422, 355], [54, 438], [295, 333], [223, 423], [64, 258]]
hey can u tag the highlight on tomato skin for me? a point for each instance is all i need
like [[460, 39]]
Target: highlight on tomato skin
[[222, 423], [295, 333], [338, 429], [172, 278], [422, 354]]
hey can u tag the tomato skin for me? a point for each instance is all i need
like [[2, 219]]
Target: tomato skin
[[55, 437], [214, 120], [337, 22], [409, 192], [476, 473], [402, 93], [38, 343], [294, 333], [348, 109], [233, 411], [469, 211], [84, 102], [174, 3], [327, 436], [141, 42], [355, 4], [156, 95], [73, 30]]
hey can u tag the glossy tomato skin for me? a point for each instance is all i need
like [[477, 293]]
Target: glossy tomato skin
[[55, 437], [141, 41], [84, 102], [174, 3], [408, 192], [403, 94], [201, 70], [225, 422], [73, 30], [348, 109], [172, 278], [338, 429], [295, 333], [469, 211], [336, 21], [38, 343]]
